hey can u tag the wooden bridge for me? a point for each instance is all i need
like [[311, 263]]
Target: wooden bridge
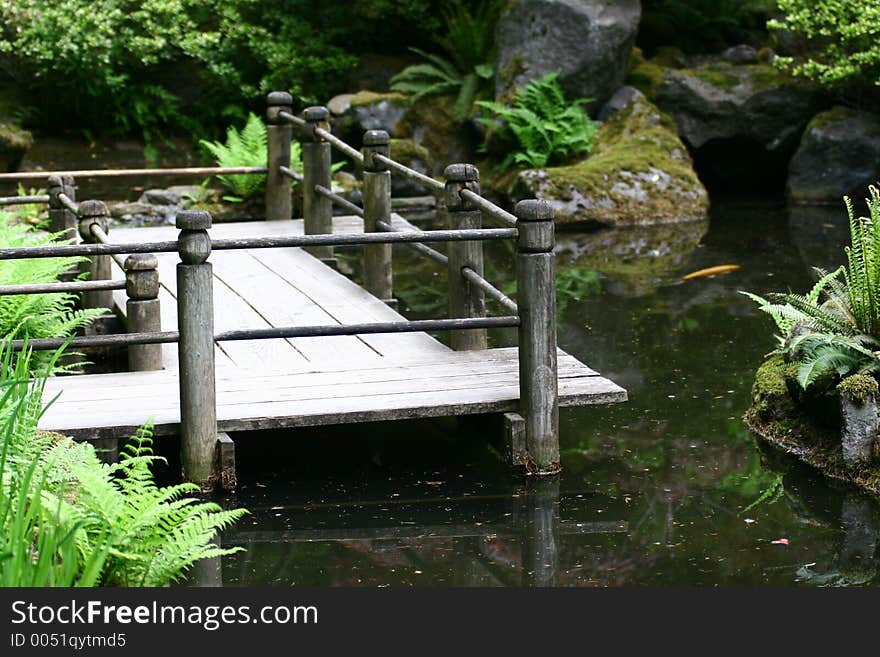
[[243, 326]]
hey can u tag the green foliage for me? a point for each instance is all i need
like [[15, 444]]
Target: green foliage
[[245, 148], [545, 127], [702, 26], [468, 44], [29, 316], [575, 285], [834, 330], [67, 519], [771, 494], [841, 39]]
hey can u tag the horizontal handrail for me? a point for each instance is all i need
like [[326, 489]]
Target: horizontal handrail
[[54, 288], [281, 332], [119, 173], [68, 203], [290, 118], [489, 289], [22, 200], [102, 237], [340, 145], [290, 173], [406, 171], [424, 249], [338, 200], [69, 250], [488, 207]]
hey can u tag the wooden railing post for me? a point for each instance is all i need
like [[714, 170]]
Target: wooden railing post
[[317, 209], [95, 213], [465, 298], [378, 276], [61, 220], [279, 134], [536, 298], [195, 321], [142, 310]]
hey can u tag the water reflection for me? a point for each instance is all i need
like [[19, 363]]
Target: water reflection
[[662, 490]]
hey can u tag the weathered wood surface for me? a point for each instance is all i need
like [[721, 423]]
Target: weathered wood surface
[[435, 385], [263, 384]]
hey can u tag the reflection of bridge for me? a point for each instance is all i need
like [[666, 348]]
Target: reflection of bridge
[[269, 335], [529, 537]]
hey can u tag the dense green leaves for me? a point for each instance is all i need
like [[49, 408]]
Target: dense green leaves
[[834, 330], [842, 39], [544, 127]]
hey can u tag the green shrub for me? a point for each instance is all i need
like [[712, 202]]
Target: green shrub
[[544, 127], [469, 46], [842, 40], [29, 316], [67, 519], [834, 330]]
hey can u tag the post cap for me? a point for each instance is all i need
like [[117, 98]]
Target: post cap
[[55, 181], [193, 220], [533, 210], [279, 98], [376, 138], [316, 114], [93, 209], [141, 262], [461, 173]]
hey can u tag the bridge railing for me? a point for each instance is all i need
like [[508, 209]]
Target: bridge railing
[[534, 430]]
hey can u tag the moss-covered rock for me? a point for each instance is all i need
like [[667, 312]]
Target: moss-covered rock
[[638, 173], [858, 387], [771, 391], [367, 110], [415, 156], [431, 124]]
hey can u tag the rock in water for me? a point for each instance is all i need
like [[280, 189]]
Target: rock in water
[[839, 155], [588, 40], [638, 173]]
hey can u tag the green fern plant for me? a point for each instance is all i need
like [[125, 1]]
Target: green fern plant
[[37, 315], [834, 330], [245, 148], [544, 127], [466, 69], [68, 519]]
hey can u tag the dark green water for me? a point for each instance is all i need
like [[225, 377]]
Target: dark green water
[[653, 491]]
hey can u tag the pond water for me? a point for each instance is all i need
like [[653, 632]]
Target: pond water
[[654, 492]]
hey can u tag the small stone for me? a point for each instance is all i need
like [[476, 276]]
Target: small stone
[[741, 54], [339, 105], [160, 197], [120, 210]]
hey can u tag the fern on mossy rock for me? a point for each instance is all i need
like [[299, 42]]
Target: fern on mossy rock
[[31, 316]]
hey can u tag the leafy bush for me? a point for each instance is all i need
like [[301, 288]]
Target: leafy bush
[[545, 127], [834, 330], [842, 39], [247, 148], [68, 519], [29, 316], [469, 45]]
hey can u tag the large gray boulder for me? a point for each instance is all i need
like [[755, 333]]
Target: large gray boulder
[[588, 40], [719, 100], [839, 155]]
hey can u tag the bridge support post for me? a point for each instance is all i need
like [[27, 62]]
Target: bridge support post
[[95, 213], [536, 298], [279, 133], [61, 220], [195, 321], [142, 310], [465, 298], [317, 209], [378, 276]]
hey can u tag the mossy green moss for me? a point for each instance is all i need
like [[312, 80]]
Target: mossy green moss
[[431, 123], [727, 76], [638, 173], [771, 391], [858, 387], [646, 76], [408, 151], [362, 98]]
